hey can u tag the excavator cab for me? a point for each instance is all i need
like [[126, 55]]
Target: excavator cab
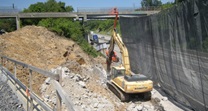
[[117, 71]]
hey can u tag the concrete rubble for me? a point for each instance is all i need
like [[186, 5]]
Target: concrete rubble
[[77, 89], [85, 99]]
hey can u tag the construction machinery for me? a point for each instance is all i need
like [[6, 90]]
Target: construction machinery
[[121, 80], [93, 38]]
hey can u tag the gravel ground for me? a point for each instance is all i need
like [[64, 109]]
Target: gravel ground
[[8, 99]]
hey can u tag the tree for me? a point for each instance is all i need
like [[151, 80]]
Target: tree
[[167, 5], [8, 24], [38, 7], [49, 6], [148, 3], [103, 25]]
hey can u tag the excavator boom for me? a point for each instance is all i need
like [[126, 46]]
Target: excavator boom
[[115, 38]]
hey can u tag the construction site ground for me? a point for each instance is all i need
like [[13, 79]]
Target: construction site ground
[[87, 89]]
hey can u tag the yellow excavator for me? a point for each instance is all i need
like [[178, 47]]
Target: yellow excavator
[[121, 80]]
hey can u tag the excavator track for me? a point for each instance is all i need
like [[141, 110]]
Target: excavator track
[[124, 97]]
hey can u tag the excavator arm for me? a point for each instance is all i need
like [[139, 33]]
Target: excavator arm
[[115, 38], [110, 51], [124, 52]]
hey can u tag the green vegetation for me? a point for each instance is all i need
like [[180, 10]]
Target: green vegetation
[[158, 3], [167, 5], [147, 3], [62, 26], [101, 26], [8, 24], [49, 6]]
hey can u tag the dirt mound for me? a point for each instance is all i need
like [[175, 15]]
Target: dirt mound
[[39, 47], [44, 49]]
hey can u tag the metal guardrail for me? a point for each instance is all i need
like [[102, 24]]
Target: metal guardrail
[[120, 9], [32, 95], [47, 14], [40, 15], [32, 68], [13, 12], [61, 94]]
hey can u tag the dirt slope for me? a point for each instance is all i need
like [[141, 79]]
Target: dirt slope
[[41, 48]]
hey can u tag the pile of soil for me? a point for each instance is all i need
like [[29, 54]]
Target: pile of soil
[[44, 49]]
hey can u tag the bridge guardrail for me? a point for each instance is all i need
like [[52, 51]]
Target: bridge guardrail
[[120, 9], [61, 94]]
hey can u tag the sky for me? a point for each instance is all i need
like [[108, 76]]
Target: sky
[[21, 4]]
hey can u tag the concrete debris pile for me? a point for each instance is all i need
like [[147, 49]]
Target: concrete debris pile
[[78, 89], [89, 94]]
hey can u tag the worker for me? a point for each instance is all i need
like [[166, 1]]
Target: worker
[[114, 56]]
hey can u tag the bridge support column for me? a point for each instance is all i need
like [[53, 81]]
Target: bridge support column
[[84, 18], [77, 18], [18, 23]]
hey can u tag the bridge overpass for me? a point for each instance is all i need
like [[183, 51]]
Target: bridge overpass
[[81, 13]]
